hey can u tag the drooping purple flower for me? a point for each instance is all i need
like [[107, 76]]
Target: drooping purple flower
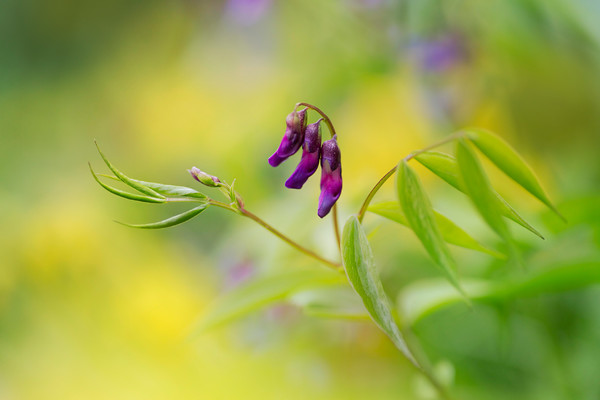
[[292, 139], [331, 176], [311, 153]]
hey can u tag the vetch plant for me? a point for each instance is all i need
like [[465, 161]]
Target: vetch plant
[[318, 293]]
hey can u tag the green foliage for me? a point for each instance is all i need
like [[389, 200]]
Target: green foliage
[[167, 190], [360, 268], [446, 167], [420, 216], [451, 233], [338, 301], [126, 195], [128, 181], [511, 163], [171, 221], [479, 189], [423, 298], [262, 292]]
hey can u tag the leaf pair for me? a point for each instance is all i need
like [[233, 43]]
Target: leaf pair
[[510, 162], [451, 233], [421, 219], [446, 167], [152, 192]]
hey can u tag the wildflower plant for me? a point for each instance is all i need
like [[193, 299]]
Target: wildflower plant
[[412, 208]]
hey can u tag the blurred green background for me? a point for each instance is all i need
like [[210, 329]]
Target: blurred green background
[[90, 309]]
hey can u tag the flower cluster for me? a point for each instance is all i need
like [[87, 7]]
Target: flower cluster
[[299, 134]]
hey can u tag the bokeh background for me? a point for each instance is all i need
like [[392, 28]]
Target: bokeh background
[[91, 309]]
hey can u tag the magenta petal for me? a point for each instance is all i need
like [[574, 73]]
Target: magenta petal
[[292, 139], [331, 189], [311, 153], [306, 168], [275, 160], [331, 177]]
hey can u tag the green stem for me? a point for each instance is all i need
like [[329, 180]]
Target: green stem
[[365, 205], [289, 241], [325, 117], [336, 228]]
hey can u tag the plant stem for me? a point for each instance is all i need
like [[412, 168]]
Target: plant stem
[[325, 117], [289, 241], [336, 228], [365, 205]]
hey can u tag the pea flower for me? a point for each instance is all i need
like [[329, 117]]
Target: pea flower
[[331, 176], [311, 153], [292, 139]]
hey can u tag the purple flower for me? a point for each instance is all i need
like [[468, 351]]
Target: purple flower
[[311, 153], [331, 176], [292, 139]]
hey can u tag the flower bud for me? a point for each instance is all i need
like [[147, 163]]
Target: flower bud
[[311, 152], [204, 178], [331, 176], [292, 139]]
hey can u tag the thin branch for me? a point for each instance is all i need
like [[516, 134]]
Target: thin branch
[[365, 205]]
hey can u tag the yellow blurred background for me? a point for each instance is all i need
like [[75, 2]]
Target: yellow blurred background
[[90, 309]]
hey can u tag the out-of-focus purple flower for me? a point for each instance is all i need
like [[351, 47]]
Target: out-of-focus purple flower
[[331, 176], [311, 153], [292, 139], [204, 178], [247, 12], [440, 54]]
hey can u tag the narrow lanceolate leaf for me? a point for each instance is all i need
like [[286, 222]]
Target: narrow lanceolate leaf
[[262, 292], [167, 190], [175, 220], [121, 193], [478, 188], [362, 274], [510, 162], [418, 211], [451, 232], [446, 167], [443, 165], [128, 181]]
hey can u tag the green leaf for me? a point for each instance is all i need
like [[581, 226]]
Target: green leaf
[[172, 221], [261, 292], [418, 212], [446, 167], [510, 162], [121, 193], [443, 165], [360, 268], [423, 298], [125, 179], [338, 301], [451, 232], [477, 186], [167, 190]]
